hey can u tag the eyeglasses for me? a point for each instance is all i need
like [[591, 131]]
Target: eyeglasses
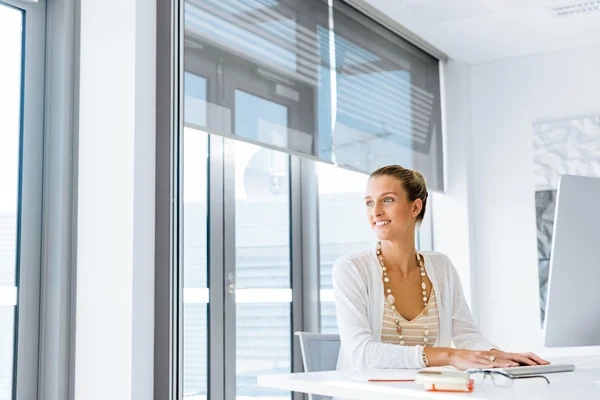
[[499, 377]]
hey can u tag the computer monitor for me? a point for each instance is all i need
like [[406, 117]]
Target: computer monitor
[[573, 301]]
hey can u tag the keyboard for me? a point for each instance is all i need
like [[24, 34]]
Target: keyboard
[[539, 369]]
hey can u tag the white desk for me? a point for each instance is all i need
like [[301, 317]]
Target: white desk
[[583, 383]]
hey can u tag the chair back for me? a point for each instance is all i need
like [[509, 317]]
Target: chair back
[[319, 353]]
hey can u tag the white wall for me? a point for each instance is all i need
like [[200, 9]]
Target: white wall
[[450, 210], [506, 98], [115, 218]]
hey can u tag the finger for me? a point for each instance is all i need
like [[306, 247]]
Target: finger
[[537, 359], [522, 359], [482, 364], [498, 363], [504, 363]]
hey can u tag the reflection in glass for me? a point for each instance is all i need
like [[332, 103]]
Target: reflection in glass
[[357, 94], [343, 228], [263, 347], [195, 100], [11, 47], [260, 120], [386, 99], [263, 291]]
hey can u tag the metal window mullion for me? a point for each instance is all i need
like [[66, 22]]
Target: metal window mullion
[[59, 234], [296, 254], [311, 267], [167, 296], [304, 242], [216, 270], [229, 270]]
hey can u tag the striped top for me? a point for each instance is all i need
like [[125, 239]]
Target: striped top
[[414, 330]]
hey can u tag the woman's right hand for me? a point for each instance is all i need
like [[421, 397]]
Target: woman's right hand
[[465, 359]]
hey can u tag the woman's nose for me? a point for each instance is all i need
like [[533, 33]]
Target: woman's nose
[[376, 211]]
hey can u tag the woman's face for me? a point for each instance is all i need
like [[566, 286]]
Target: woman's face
[[390, 213]]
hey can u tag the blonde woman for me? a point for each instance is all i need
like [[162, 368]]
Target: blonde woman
[[398, 307]]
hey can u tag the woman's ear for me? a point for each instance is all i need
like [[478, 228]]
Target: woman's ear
[[417, 207]]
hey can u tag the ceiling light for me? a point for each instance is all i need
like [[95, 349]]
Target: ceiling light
[[568, 9]]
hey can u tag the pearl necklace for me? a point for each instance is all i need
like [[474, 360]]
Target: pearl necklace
[[391, 299]]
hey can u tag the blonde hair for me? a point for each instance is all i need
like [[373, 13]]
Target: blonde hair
[[412, 181]]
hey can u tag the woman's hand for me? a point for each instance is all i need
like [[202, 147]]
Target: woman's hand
[[521, 358], [465, 359]]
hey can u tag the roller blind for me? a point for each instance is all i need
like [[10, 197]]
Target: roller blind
[[355, 94]]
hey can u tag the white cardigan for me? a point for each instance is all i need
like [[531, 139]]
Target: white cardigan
[[358, 292]]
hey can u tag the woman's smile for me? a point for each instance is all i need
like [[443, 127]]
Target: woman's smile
[[381, 223]]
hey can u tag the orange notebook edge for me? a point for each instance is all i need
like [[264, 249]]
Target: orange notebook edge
[[469, 389]]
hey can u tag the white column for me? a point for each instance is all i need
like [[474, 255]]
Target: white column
[[451, 229], [115, 219]]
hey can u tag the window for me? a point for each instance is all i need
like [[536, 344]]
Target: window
[[262, 246], [11, 48], [195, 258], [266, 83], [259, 280], [343, 228]]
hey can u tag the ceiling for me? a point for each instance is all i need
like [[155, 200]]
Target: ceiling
[[478, 31]]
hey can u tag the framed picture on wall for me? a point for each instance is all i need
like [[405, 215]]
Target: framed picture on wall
[[560, 146]]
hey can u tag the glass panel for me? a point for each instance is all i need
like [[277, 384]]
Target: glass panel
[[343, 228], [261, 120], [358, 95], [11, 47], [195, 261], [386, 96], [195, 100], [262, 236], [263, 31], [263, 347]]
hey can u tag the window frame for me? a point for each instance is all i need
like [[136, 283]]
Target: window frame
[[25, 373], [45, 312]]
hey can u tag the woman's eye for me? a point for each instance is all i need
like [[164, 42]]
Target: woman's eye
[[388, 200], [369, 203]]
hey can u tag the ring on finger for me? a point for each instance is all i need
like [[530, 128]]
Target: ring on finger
[[492, 358]]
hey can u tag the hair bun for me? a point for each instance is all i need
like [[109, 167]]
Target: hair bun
[[418, 175]]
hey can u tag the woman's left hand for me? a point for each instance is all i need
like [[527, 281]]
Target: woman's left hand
[[521, 358]]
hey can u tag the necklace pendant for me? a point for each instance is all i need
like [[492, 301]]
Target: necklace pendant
[[391, 298]]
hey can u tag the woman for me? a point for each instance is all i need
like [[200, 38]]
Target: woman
[[399, 308]]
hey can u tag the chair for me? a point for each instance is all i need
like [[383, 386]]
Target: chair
[[319, 353]]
